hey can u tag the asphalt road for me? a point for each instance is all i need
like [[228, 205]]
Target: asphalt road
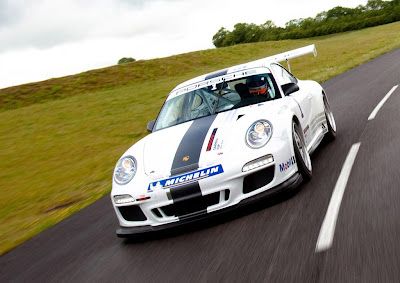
[[272, 242]]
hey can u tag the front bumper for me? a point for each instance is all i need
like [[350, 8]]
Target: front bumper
[[291, 183]]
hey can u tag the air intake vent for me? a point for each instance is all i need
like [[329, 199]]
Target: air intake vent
[[191, 206], [132, 213], [258, 179]]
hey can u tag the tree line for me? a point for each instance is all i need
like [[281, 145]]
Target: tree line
[[338, 19]]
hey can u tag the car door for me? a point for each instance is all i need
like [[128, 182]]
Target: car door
[[301, 97]]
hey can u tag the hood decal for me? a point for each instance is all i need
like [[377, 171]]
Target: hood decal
[[210, 142], [188, 153]]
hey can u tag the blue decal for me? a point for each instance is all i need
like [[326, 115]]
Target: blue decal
[[286, 165], [186, 178]]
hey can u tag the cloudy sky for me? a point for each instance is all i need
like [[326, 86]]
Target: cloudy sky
[[42, 39]]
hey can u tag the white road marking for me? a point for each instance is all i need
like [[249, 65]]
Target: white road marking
[[373, 114], [327, 231]]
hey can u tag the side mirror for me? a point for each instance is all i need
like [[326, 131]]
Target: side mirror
[[150, 126], [290, 88]]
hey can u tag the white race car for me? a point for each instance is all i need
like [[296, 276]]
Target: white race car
[[222, 140]]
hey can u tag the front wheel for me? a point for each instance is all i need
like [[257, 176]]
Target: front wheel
[[301, 153], [330, 120]]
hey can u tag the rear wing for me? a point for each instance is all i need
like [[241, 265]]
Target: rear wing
[[285, 56]]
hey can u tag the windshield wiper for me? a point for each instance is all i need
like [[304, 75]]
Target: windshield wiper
[[219, 96]]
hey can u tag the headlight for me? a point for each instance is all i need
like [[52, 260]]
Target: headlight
[[125, 170], [259, 134]]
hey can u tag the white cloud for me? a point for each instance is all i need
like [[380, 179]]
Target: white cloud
[[50, 38]]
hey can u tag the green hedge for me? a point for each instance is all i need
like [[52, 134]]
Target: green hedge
[[336, 20]]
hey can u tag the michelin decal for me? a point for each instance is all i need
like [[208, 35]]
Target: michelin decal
[[186, 178]]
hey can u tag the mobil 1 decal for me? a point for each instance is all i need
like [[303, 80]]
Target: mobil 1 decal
[[286, 165]]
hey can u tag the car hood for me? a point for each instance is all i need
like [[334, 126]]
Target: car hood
[[201, 142]]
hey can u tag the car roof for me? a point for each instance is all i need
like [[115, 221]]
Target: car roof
[[208, 79]]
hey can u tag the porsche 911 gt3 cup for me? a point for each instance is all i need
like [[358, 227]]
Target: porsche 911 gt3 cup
[[222, 140]]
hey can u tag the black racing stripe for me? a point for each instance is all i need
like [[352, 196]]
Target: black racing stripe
[[188, 199], [216, 74], [190, 147], [186, 192]]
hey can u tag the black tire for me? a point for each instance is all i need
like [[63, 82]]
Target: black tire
[[330, 120], [301, 153]]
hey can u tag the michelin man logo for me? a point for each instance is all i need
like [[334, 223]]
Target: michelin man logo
[[156, 187]]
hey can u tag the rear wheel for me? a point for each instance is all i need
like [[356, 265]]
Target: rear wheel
[[330, 120], [301, 153]]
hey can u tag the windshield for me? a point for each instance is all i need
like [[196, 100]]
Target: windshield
[[204, 101]]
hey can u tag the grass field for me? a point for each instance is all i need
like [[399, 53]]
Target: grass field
[[61, 138]]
